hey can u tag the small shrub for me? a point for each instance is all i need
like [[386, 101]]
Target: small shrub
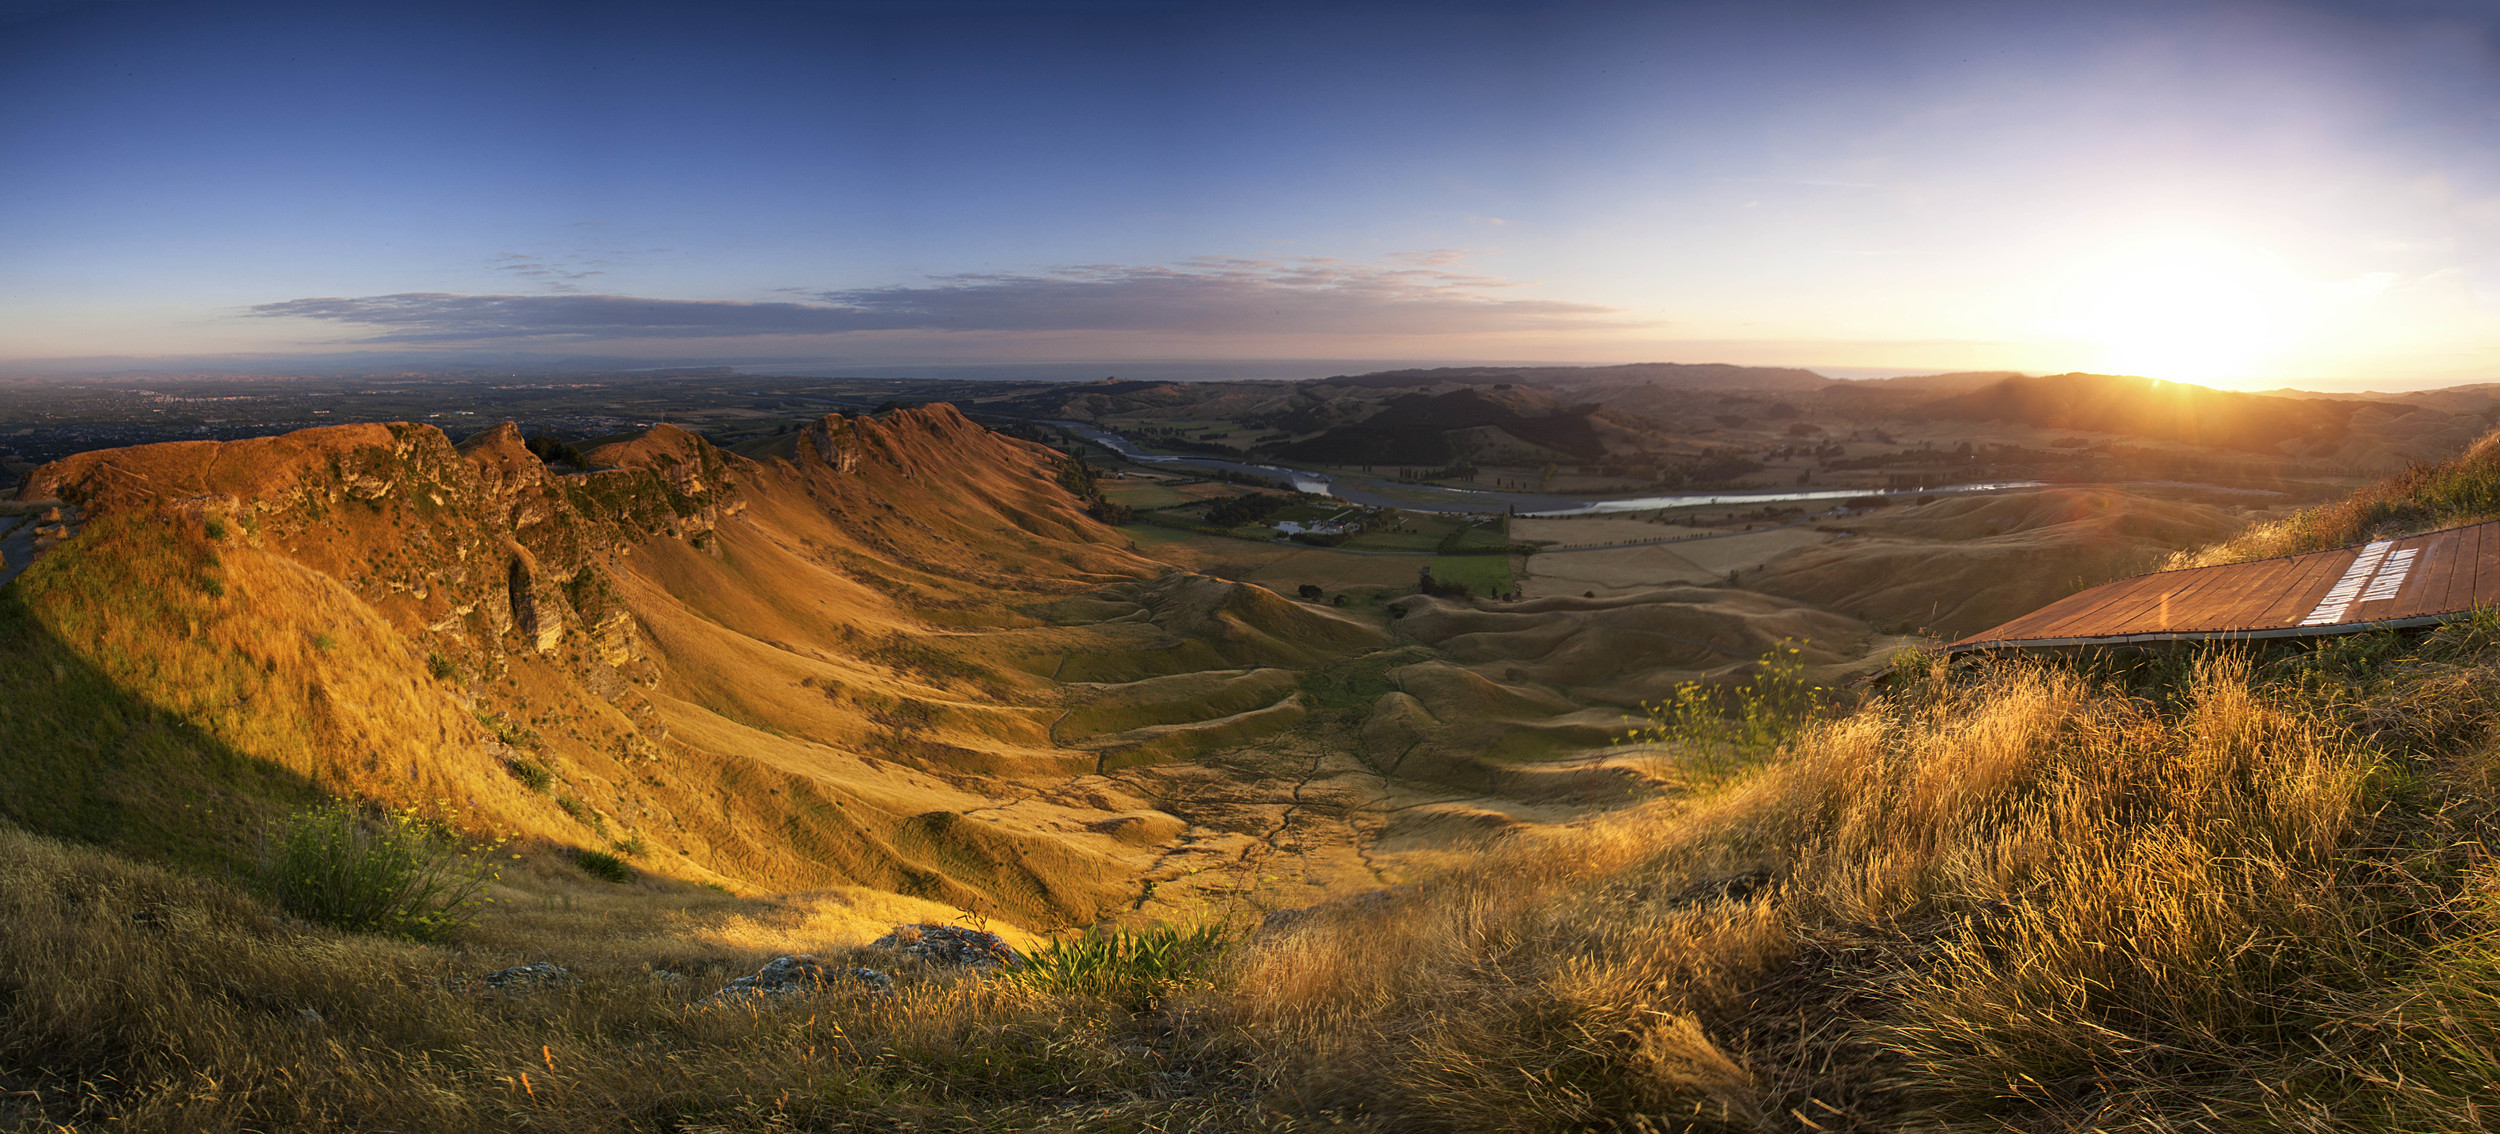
[[215, 529], [325, 642], [504, 730], [633, 847], [440, 667], [603, 866], [2466, 638], [535, 776], [386, 872], [1131, 968], [580, 812], [1724, 727]]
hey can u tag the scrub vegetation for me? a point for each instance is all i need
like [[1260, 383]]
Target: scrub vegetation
[[2207, 888], [2212, 890]]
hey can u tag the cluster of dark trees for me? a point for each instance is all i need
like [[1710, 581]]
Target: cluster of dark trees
[[1080, 480], [1234, 511]]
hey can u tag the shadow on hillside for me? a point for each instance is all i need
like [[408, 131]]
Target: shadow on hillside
[[84, 758]]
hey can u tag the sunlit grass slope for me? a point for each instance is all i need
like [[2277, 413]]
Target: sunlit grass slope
[[2186, 891], [776, 676], [2461, 490], [2216, 893]]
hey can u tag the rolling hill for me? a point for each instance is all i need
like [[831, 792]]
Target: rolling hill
[[762, 673], [2146, 407]]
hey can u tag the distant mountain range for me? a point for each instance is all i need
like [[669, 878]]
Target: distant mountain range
[[1700, 375], [1415, 429], [2145, 407]]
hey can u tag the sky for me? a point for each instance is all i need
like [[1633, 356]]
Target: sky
[[2243, 194]]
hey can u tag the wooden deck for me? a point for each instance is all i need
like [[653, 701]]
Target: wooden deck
[[2415, 581]]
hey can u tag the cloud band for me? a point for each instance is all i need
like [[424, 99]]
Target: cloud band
[[1418, 295]]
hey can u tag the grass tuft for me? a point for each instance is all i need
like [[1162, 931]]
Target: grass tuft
[[384, 872], [1134, 969], [603, 866]]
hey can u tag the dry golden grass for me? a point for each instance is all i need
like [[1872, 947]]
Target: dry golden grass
[[2023, 900], [154, 1002], [2461, 490], [2208, 894], [2203, 891]]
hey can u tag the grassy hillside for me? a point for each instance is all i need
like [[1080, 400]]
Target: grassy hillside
[[2146, 407], [2201, 890], [2464, 489], [2214, 893], [734, 672]]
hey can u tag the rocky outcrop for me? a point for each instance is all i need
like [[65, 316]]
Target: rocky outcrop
[[834, 442], [950, 945], [799, 974], [535, 975], [606, 655]]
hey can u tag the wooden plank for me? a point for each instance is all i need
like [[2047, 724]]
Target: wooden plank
[[2444, 572], [2466, 592], [2433, 572], [2409, 598], [2210, 604], [2163, 612], [2043, 623], [2335, 607], [2261, 590], [2464, 559], [2152, 615], [2227, 588], [2464, 562], [2046, 621], [2317, 576], [2124, 599]]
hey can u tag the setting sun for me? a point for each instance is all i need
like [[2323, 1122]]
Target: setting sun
[[2183, 307]]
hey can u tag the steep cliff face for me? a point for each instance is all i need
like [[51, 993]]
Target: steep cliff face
[[791, 672]]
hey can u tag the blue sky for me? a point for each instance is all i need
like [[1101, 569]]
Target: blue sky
[[2249, 193]]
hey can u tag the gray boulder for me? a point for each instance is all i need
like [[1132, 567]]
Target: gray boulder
[[522, 978], [801, 973], [951, 945]]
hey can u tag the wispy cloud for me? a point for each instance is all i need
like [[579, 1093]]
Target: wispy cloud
[[1419, 293], [561, 276]]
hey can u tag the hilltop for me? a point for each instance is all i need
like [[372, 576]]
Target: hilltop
[[891, 656], [722, 662], [2167, 411]]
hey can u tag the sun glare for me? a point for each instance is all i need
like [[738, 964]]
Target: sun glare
[[2186, 308]]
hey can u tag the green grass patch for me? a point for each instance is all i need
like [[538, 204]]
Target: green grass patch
[[1131, 968], [1146, 533], [603, 866], [1142, 494], [532, 775], [1352, 684], [1487, 574], [1395, 541], [120, 713], [388, 872]]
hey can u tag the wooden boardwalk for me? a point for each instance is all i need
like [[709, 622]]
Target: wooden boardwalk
[[2415, 581]]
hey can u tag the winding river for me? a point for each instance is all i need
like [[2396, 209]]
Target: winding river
[[1376, 492]]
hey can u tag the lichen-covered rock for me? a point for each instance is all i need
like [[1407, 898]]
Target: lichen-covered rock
[[538, 974], [951, 945], [801, 973]]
